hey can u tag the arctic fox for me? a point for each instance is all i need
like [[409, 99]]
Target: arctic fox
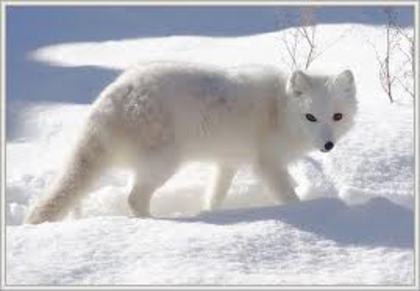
[[155, 117]]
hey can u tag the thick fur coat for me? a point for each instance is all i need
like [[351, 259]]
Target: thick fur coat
[[155, 117]]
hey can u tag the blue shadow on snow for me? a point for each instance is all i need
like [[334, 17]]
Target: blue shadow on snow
[[378, 222]]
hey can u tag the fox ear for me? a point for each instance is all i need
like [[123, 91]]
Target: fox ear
[[298, 83], [344, 82]]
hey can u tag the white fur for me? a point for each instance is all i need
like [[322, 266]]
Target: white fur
[[157, 116]]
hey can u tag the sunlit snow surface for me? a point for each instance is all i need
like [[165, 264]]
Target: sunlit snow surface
[[355, 225]]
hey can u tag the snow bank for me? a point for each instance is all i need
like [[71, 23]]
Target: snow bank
[[361, 234], [316, 242]]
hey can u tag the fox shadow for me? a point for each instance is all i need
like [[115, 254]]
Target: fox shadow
[[378, 222]]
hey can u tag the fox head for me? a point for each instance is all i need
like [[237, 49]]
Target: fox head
[[324, 106]]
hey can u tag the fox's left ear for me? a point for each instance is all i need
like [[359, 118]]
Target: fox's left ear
[[345, 83]]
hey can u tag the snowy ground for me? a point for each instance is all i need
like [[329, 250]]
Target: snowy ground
[[355, 225]]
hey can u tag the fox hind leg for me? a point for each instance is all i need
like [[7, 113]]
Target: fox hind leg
[[151, 173]]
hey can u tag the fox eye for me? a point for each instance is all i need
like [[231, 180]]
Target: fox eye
[[337, 116], [310, 117]]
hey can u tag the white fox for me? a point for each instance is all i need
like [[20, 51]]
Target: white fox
[[155, 117]]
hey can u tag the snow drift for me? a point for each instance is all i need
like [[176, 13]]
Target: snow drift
[[355, 225], [316, 242]]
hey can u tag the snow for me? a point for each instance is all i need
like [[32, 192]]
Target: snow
[[270, 245], [354, 225]]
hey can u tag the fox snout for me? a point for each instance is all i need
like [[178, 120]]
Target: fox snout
[[327, 146]]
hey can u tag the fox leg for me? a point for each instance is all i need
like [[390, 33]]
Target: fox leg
[[151, 174], [278, 181], [220, 187]]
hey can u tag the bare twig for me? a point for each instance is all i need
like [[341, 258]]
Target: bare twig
[[300, 42], [396, 63]]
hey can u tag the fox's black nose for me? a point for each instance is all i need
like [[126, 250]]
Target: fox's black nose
[[328, 146]]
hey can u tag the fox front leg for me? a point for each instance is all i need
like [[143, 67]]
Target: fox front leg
[[278, 180]]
